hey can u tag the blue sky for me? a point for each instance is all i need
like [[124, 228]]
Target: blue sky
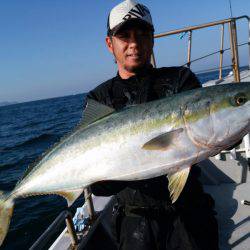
[[55, 48]]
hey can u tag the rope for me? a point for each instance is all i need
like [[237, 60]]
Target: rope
[[213, 69], [211, 54]]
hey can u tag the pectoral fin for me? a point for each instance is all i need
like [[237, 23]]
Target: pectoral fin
[[163, 141], [176, 183], [70, 196]]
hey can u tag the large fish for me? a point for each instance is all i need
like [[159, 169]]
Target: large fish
[[162, 137]]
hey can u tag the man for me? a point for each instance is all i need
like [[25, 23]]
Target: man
[[144, 217]]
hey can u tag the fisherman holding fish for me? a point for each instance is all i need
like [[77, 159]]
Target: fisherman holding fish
[[144, 216], [165, 134]]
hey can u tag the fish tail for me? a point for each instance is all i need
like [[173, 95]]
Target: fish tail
[[6, 211]]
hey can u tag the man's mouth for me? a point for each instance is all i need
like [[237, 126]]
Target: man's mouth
[[134, 55]]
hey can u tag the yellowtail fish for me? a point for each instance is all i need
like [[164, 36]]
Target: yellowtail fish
[[163, 137]]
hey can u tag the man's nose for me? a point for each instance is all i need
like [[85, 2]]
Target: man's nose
[[134, 38]]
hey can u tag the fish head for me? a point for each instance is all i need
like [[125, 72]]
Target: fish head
[[220, 117], [231, 114]]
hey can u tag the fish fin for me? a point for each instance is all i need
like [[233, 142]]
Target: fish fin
[[6, 211], [176, 183], [163, 141], [70, 196], [94, 111]]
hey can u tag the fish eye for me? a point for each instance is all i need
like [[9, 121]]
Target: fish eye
[[240, 99]]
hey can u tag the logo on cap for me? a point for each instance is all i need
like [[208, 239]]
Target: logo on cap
[[139, 11], [125, 11]]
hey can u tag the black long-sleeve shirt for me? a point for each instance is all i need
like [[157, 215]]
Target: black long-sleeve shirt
[[148, 85]]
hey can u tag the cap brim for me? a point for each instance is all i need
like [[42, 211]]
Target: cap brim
[[131, 21]]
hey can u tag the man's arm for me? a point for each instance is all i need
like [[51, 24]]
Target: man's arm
[[107, 188]]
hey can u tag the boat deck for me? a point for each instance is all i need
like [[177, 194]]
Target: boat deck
[[233, 219], [244, 77]]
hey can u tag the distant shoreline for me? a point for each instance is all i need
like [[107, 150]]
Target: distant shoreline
[[7, 103], [3, 104]]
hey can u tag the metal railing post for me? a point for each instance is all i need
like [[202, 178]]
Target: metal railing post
[[237, 62], [233, 40], [234, 50], [189, 48], [248, 43], [247, 145], [89, 203], [71, 229], [221, 50], [153, 62]]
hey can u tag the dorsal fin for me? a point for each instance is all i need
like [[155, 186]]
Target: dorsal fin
[[94, 111]]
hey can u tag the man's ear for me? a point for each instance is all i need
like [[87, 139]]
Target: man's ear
[[109, 44]]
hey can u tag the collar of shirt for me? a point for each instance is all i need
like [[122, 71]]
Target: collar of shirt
[[142, 73]]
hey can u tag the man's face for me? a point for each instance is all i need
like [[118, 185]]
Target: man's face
[[132, 47]]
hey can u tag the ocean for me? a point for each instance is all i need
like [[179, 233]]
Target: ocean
[[26, 131]]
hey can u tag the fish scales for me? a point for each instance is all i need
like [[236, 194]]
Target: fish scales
[[162, 137], [106, 127], [130, 121]]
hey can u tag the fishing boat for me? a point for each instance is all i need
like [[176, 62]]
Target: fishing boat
[[226, 176]]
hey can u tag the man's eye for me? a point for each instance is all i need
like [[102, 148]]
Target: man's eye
[[123, 35], [145, 34]]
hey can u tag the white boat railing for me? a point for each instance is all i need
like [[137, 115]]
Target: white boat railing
[[233, 43], [233, 152], [247, 145]]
